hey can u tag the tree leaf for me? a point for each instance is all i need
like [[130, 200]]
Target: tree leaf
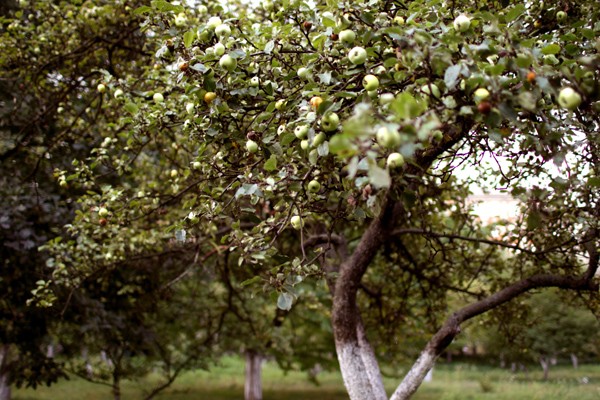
[[379, 177], [285, 301], [451, 76]]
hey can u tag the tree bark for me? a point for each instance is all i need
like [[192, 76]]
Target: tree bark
[[545, 363], [5, 390], [253, 382], [116, 387], [574, 360]]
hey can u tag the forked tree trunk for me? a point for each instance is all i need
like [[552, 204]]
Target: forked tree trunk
[[5, 392], [253, 382]]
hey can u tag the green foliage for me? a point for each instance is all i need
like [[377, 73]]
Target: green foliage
[[156, 162]]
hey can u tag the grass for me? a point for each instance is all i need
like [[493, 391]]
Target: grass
[[450, 382]]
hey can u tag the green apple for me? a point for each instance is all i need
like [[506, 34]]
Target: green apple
[[101, 88], [388, 138], [174, 173], [319, 139], [462, 23], [357, 55], [219, 49], [297, 222], [399, 20], [301, 131], [569, 98], [330, 122], [304, 145], [370, 82], [251, 146], [158, 98], [180, 20], [202, 10], [254, 81], [213, 22], [481, 94], [227, 62], [561, 16], [280, 104], [118, 93], [196, 165], [102, 212], [280, 129], [314, 186], [347, 36], [431, 90], [395, 160], [189, 108], [303, 73], [223, 31]]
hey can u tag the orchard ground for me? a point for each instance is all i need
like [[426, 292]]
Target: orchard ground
[[450, 381]]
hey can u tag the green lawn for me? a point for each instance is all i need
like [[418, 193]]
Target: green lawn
[[450, 382]]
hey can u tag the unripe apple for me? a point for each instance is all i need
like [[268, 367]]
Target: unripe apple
[[399, 20], [251, 146], [481, 94], [174, 173], [202, 10], [395, 160], [103, 212], [431, 90], [254, 81], [303, 73], [370, 82], [158, 98], [213, 22], [223, 31], [219, 49], [280, 104], [227, 62], [180, 20], [462, 23], [196, 165], [315, 102], [280, 129], [101, 88], [304, 144], [561, 16], [319, 139], [189, 108], [297, 222], [301, 131], [388, 138], [330, 122], [347, 37], [209, 97], [118, 93], [569, 98], [314, 186], [357, 55]]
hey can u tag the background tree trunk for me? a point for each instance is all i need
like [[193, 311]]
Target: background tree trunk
[[545, 363], [253, 383], [5, 392], [574, 361]]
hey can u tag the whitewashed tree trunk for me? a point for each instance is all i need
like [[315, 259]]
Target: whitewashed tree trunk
[[544, 362], [415, 376], [574, 361], [5, 391], [253, 382]]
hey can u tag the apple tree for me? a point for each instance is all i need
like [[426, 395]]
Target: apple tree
[[339, 142]]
